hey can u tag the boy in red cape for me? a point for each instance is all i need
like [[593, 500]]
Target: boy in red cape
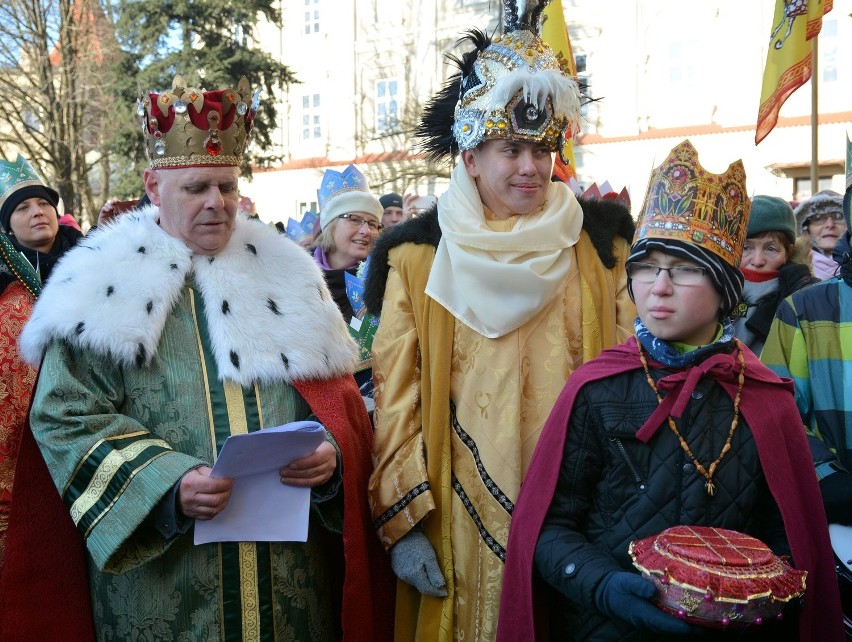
[[680, 425]]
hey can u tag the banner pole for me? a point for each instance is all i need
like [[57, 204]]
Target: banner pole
[[815, 117]]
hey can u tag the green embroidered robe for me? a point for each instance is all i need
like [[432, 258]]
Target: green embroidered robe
[[156, 589], [148, 367]]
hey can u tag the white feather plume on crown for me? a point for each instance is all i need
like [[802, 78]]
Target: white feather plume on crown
[[538, 85]]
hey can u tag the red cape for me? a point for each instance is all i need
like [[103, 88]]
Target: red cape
[[369, 586], [44, 589], [784, 456]]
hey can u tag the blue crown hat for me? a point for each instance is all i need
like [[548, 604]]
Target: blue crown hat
[[343, 192], [334, 183], [307, 224]]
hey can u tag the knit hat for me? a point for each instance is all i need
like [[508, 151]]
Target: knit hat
[[33, 191], [771, 214], [825, 202], [18, 182], [727, 279], [391, 200], [344, 192]]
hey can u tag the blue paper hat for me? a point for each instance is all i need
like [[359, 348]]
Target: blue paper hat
[[343, 192], [334, 183], [294, 230], [308, 220]]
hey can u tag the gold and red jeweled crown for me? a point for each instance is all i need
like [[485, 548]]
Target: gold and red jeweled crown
[[188, 127], [685, 202], [716, 577]]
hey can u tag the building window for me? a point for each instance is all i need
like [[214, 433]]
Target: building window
[[307, 206], [802, 186], [311, 16], [387, 105], [311, 117], [828, 49], [681, 71]]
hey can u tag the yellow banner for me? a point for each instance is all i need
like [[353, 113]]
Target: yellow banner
[[554, 32], [788, 60]]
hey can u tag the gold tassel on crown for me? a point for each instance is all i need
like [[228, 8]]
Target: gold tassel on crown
[[685, 202], [187, 127]]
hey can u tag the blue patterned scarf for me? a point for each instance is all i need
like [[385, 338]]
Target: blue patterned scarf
[[665, 353]]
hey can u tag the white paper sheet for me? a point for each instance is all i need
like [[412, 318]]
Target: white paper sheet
[[261, 508]]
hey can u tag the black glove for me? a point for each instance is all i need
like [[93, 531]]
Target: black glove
[[414, 561], [627, 596], [836, 492]]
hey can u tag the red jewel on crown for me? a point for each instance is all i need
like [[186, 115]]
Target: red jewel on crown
[[213, 145]]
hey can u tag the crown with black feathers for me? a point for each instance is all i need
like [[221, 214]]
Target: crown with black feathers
[[512, 86]]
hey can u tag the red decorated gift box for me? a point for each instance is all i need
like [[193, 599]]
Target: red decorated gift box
[[716, 577]]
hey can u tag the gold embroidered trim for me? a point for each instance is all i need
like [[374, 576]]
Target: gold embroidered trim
[[250, 599], [201, 360], [248, 591], [106, 471], [190, 161]]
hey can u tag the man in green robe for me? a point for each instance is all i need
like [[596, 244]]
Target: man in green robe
[[171, 329]]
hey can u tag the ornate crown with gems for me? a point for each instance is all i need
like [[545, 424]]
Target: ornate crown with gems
[[512, 87], [187, 127], [685, 202]]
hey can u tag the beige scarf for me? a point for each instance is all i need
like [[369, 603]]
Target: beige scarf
[[493, 281]]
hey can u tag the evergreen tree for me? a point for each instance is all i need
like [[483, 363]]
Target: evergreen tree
[[209, 43]]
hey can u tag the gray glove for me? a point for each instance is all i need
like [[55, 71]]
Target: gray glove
[[413, 560]]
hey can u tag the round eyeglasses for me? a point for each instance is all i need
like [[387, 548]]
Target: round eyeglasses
[[357, 221], [679, 274]]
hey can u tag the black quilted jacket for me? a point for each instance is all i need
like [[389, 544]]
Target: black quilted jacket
[[613, 489]]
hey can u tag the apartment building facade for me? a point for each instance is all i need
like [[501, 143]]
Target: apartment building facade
[[660, 72]]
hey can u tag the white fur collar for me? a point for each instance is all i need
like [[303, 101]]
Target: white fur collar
[[269, 313]]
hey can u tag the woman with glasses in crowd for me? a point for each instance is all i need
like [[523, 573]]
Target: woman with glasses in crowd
[[821, 218], [774, 266], [350, 221]]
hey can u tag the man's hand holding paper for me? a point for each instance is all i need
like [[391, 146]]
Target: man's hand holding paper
[[313, 470], [202, 496], [272, 471]]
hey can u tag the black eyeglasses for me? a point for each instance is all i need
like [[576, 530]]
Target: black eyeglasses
[[357, 221], [679, 274]]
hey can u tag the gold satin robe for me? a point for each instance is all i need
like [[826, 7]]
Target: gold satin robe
[[458, 417]]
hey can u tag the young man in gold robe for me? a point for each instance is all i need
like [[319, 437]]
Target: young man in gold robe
[[488, 303]]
